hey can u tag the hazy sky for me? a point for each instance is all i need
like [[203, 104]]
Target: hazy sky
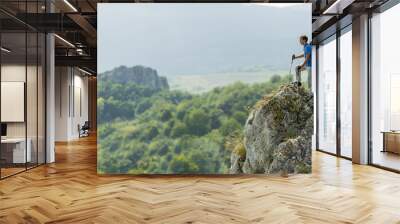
[[180, 39]]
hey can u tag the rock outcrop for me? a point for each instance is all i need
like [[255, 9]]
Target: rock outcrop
[[277, 135], [138, 74]]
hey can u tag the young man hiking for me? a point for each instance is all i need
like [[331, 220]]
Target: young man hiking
[[306, 65]]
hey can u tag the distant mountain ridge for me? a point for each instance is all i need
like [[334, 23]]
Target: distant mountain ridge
[[138, 74]]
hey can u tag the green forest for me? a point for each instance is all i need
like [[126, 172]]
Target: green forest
[[145, 130]]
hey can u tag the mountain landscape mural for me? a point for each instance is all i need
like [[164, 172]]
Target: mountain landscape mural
[[218, 118]]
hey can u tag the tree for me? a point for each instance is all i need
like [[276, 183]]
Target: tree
[[142, 131], [197, 122], [181, 164], [143, 106], [229, 126], [276, 78], [179, 129], [240, 117], [215, 116]]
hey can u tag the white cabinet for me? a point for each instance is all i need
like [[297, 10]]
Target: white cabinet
[[19, 155]]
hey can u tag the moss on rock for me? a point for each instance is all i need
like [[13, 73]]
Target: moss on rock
[[277, 134]]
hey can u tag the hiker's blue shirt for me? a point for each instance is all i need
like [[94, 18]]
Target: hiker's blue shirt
[[308, 50]]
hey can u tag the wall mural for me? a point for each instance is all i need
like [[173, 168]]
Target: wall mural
[[202, 89]]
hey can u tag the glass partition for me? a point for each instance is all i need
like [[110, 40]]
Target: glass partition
[[14, 153], [385, 89], [22, 78], [346, 93], [327, 96]]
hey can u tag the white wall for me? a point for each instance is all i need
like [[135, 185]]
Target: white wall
[[81, 84], [71, 102], [11, 73], [62, 82], [17, 73], [50, 95]]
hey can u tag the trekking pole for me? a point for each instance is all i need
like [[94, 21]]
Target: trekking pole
[[291, 65]]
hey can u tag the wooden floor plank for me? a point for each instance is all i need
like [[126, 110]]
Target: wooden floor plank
[[70, 191]]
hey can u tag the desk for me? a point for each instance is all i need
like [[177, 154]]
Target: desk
[[391, 141], [13, 150]]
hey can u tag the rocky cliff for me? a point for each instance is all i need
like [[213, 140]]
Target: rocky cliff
[[138, 74], [277, 134]]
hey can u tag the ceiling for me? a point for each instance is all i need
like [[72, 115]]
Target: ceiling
[[75, 21]]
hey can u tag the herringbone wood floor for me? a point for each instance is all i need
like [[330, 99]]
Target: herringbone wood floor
[[70, 191]]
